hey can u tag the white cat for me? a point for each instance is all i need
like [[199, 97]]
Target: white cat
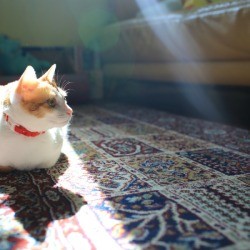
[[33, 121]]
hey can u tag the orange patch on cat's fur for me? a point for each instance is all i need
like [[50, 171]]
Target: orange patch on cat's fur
[[6, 97], [35, 101], [6, 101], [6, 169]]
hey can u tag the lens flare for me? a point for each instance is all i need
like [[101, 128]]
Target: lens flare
[[90, 28]]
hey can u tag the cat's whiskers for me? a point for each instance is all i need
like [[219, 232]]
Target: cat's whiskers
[[65, 84], [59, 81]]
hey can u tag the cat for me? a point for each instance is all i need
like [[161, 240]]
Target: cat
[[34, 116]]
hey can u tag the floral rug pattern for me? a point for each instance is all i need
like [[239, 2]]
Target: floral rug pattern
[[134, 178]]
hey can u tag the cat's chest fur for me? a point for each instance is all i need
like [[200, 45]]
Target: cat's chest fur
[[24, 152]]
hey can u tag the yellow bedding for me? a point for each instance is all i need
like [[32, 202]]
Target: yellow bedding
[[192, 4]]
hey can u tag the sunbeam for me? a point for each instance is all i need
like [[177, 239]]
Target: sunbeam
[[183, 48]]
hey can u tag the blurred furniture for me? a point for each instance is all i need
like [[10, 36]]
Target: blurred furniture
[[206, 45]]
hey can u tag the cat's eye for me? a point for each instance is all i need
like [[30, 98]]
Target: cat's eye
[[51, 102]]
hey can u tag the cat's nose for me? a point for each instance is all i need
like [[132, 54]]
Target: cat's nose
[[69, 111]]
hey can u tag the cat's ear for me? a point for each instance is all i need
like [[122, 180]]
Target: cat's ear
[[27, 82], [49, 75], [28, 75]]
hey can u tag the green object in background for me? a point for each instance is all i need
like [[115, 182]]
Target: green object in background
[[13, 60]]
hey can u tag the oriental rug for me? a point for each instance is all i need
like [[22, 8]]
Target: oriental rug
[[133, 178]]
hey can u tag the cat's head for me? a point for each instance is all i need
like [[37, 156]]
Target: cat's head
[[38, 104]]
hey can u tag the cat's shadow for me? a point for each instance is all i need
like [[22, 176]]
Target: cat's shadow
[[36, 200]]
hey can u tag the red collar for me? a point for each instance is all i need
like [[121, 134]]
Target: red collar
[[20, 129]]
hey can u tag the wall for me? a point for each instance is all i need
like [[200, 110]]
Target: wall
[[52, 22]]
